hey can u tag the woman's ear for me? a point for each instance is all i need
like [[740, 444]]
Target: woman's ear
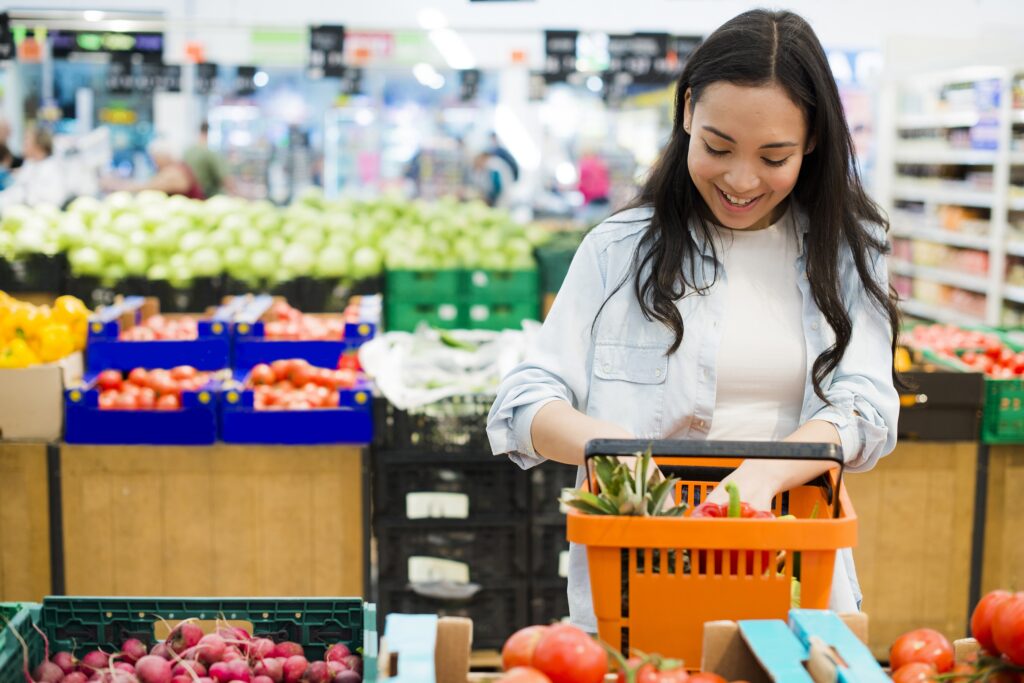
[[812, 141], [687, 110]]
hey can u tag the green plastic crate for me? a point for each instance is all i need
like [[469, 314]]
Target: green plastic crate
[[554, 258], [499, 286], [422, 286], [85, 623], [405, 316], [500, 316]]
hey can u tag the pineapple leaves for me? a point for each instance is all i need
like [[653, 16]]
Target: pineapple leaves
[[637, 488]]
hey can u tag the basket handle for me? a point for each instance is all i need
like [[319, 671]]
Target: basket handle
[[759, 450]]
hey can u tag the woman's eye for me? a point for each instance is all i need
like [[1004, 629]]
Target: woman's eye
[[715, 152], [774, 163]]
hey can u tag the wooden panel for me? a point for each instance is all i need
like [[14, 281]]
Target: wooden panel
[[1003, 563], [24, 522], [213, 521], [913, 559]]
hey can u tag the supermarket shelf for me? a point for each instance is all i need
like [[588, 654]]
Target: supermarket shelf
[[1017, 158], [1017, 204], [953, 119], [907, 154], [1015, 248], [917, 192], [942, 314], [1014, 294], [947, 277], [1017, 116], [940, 236]]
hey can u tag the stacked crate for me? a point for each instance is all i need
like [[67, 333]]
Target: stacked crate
[[461, 299], [451, 522], [549, 549]]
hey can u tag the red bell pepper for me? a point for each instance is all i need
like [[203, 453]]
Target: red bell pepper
[[734, 509]]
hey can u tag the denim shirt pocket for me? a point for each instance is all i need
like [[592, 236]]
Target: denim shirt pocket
[[628, 386]]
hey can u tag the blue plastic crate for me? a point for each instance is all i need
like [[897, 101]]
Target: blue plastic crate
[[195, 423]]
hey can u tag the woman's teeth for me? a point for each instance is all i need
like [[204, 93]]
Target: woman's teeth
[[737, 201]]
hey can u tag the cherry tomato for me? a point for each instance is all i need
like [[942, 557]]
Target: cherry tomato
[[1008, 628], [183, 372], [138, 376], [518, 649], [914, 672], [168, 402], [262, 374], [146, 399], [109, 379], [301, 372], [281, 369], [922, 645], [125, 401], [107, 399], [981, 619]]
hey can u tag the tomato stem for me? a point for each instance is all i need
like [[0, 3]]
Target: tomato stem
[[734, 499]]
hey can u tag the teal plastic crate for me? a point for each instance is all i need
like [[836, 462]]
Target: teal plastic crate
[[500, 316], [422, 286], [405, 316], [85, 623], [499, 286]]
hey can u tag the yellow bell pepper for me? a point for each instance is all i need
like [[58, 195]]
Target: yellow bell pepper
[[54, 342], [18, 354], [72, 312]]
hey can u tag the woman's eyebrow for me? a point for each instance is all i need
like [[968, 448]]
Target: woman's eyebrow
[[770, 145]]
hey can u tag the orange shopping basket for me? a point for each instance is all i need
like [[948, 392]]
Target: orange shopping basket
[[656, 580]]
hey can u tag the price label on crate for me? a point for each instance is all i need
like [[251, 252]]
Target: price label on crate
[[424, 505], [563, 564], [447, 311], [423, 569]]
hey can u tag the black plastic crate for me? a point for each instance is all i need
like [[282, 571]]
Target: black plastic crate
[[37, 273], [492, 485], [546, 483], [497, 609], [457, 424], [547, 543], [549, 601], [492, 551], [92, 291]]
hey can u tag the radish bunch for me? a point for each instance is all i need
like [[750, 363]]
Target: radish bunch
[[188, 655]]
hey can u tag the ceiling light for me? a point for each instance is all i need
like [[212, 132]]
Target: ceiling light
[[594, 84], [453, 48], [93, 15], [260, 79], [431, 19]]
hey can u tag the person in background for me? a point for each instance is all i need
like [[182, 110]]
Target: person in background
[[172, 176], [5, 135], [6, 164], [491, 178], [595, 186], [41, 178], [207, 166], [495, 149]]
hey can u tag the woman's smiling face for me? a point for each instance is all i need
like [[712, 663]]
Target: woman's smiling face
[[747, 144]]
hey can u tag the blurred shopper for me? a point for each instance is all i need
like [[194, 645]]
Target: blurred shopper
[[41, 178], [172, 176], [5, 136], [496, 149], [207, 165], [491, 178], [595, 186], [6, 165]]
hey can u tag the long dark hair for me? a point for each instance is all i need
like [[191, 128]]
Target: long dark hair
[[757, 48]]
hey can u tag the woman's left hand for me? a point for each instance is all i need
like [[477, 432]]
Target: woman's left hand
[[755, 484]]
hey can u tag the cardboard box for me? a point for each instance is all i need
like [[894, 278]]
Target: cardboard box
[[425, 649], [32, 399]]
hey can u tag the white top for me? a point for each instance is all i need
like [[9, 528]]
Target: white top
[[761, 369]]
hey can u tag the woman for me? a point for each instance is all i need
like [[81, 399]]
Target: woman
[[172, 176], [744, 296]]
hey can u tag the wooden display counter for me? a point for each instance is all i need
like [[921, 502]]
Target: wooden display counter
[[24, 522], [221, 520], [916, 511], [1003, 559]]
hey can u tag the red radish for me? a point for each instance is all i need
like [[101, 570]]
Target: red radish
[[66, 661], [185, 636], [132, 650], [337, 652], [232, 654], [239, 671], [161, 650], [335, 668], [354, 662], [294, 667], [210, 648], [76, 677], [94, 661], [183, 667], [262, 679], [270, 668], [348, 677], [317, 673], [125, 667], [182, 679], [288, 649], [153, 669], [206, 680], [220, 672], [260, 648], [47, 672]]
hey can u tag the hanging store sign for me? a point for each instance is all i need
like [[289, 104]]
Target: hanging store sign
[[119, 80], [66, 43], [170, 78], [147, 76], [327, 51], [6, 38], [351, 82], [644, 56], [206, 78], [469, 84], [560, 55], [245, 80]]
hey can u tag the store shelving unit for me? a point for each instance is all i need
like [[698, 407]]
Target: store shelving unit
[[951, 176]]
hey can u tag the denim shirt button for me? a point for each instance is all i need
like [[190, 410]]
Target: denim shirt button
[[814, 326]]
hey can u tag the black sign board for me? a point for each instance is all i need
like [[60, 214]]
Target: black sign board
[[327, 51], [66, 43], [560, 51], [206, 78], [119, 79], [644, 56], [682, 47], [6, 39], [351, 81], [245, 80], [170, 78], [469, 84], [147, 76]]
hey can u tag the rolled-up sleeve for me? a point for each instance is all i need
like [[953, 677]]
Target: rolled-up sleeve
[[557, 365], [865, 405]]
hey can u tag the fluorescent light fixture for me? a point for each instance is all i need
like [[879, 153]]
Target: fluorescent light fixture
[[453, 48], [428, 76], [565, 173], [431, 19], [93, 15], [594, 84], [365, 117], [260, 79], [515, 136]]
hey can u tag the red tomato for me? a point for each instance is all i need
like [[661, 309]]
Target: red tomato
[[262, 374], [524, 674], [168, 402], [107, 399], [969, 357], [138, 376], [146, 399], [914, 672], [568, 655], [981, 619], [126, 402], [281, 368], [1008, 628], [518, 649], [183, 372], [706, 677], [109, 379], [130, 389], [301, 372], [922, 645], [163, 385], [332, 400], [967, 670]]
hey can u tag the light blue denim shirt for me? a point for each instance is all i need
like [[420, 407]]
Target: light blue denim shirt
[[619, 372]]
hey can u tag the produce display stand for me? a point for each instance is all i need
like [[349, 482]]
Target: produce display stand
[[24, 521], [1003, 554], [214, 520]]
